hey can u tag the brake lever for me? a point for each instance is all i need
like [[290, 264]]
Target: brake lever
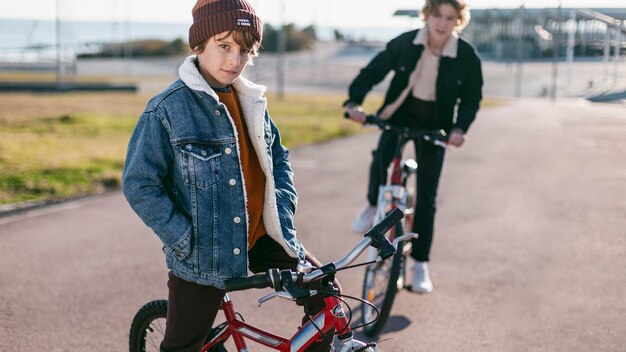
[[405, 237], [436, 142], [441, 144], [279, 294]]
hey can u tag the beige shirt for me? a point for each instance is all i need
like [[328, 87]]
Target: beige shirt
[[423, 80]]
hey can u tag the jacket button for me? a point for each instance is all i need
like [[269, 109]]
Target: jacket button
[[218, 113], [203, 152], [188, 147], [232, 182], [236, 251], [228, 151], [237, 219]]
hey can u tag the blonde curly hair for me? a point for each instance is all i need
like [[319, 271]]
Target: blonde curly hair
[[461, 7]]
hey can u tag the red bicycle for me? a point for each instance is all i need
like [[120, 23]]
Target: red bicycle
[[148, 327]]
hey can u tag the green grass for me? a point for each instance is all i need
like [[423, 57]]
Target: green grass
[[62, 182], [59, 157], [57, 146], [308, 119]]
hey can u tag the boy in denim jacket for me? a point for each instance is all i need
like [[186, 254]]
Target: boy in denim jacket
[[206, 171]]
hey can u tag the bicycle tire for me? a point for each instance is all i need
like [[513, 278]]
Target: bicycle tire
[[148, 329], [410, 183], [390, 269]]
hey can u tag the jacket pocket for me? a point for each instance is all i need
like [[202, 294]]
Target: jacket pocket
[[182, 248], [200, 164]]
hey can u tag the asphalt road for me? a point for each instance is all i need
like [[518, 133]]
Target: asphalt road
[[529, 253]]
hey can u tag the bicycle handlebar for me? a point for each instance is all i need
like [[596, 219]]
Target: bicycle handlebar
[[262, 280], [435, 137], [277, 280], [377, 234]]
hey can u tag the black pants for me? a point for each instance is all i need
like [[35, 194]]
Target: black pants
[[430, 162], [192, 308]]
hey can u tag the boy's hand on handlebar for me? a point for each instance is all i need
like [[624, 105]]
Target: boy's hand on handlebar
[[317, 264], [456, 137], [355, 113], [337, 285]]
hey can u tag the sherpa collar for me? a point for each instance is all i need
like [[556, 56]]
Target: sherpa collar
[[190, 75], [449, 49]]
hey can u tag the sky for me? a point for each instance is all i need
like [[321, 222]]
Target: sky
[[332, 13]]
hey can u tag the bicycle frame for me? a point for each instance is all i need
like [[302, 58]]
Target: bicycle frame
[[331, 317], [394, 195], [397, 174], [147, 326]]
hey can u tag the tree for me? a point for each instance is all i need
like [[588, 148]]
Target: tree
[[295, 39]]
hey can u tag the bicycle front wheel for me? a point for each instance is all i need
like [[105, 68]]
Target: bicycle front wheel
[[148, 327], [381, 283]]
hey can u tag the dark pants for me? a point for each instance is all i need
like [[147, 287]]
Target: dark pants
[[192, 308], [430, 161]]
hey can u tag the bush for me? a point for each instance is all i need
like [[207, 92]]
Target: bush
[[142, 48], [295, 39]]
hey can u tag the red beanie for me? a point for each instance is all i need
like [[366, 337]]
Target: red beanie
[[211, 17]]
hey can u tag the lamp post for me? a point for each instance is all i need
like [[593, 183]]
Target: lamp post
[[556, 44], [520, 23], [616, 53], [128, 41], [571, 44], [280, 63], [58, 41]]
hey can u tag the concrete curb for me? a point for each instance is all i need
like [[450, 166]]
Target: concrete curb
[[13, 209]]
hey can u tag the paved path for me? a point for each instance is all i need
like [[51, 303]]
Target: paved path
[[529, 255]]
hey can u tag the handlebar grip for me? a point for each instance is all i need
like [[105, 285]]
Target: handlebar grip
[[369, 119], [372, 119], [387, 223], [243, 283]]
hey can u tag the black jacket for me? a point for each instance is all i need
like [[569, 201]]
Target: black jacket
[[458, 79]]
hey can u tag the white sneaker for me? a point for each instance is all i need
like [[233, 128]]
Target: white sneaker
[[421, 279], [365, 220]]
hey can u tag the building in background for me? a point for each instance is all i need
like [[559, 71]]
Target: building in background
[[505, 34]]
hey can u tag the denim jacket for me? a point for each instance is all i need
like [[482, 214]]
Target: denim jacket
[[459, 80], [183, 178]]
